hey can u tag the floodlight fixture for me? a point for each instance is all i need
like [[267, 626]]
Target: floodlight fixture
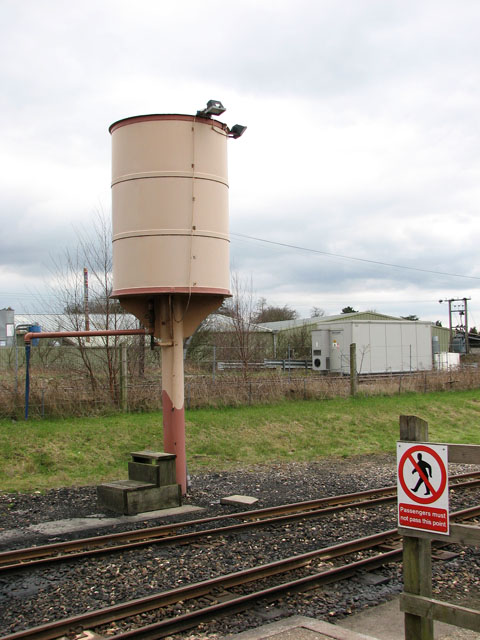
[[236, 131], [213, 108]]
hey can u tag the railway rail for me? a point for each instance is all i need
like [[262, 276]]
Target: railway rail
[[212, 598], [66, 551]]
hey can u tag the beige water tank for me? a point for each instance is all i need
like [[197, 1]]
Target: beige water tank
[[170, 205], [170, 211]]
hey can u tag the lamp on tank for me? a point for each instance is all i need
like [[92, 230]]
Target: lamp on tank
[[236, 131], [213, 108], [216, 108]]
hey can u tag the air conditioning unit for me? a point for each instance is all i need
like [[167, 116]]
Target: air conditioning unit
[[317, 364]]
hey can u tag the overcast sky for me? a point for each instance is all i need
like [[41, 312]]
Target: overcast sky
[[362, 143]]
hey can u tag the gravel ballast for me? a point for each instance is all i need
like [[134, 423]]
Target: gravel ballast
[[41, 595]]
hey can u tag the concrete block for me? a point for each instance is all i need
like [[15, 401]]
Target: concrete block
[[130, 497], [167, 473], [154, 498], [238, 500], [151, 485], [144, 473], [151, 457], [113, 495], [164, 463]]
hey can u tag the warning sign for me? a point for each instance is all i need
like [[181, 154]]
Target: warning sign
[[422, 488]]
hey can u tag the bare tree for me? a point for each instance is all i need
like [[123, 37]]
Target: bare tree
[[242, 310], [99, 356]]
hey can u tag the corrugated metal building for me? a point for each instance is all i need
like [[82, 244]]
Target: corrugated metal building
[[384, 343], [382, 346]]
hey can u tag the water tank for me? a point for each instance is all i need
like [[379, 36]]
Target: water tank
[[170, 206]]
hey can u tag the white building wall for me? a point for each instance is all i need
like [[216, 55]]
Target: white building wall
[[382, 346]]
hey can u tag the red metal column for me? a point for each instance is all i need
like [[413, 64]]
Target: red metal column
[[171, 314]]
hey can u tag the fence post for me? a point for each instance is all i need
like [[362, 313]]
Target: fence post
[[417, 552], [353, 369], [214, 366], [123, 378]]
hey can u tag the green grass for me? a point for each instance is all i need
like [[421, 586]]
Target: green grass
[[40, 454]]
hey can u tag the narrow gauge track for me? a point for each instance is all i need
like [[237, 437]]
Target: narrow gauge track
[[166, 534], [383, 548]]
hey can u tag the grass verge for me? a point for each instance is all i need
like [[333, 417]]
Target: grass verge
[[42, 454]]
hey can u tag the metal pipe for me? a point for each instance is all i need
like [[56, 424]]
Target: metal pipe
[[79, 334]]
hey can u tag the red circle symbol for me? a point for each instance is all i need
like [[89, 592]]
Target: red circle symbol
[[435, 493]]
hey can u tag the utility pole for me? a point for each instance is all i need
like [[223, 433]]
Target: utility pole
[[461, 309]]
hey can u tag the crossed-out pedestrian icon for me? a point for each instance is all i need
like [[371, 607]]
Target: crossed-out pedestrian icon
[[432, 474], [424, 471]]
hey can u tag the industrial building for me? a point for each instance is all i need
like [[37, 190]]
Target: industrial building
[[7, 327], [381, 346]]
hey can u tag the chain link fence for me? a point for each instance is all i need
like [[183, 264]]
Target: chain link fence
[[61, 384]]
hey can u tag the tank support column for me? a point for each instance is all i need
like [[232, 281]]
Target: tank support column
[[171, 317]]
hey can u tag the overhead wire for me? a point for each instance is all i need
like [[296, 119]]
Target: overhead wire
[[339, 255]]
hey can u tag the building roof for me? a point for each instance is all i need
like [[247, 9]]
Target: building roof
[[221, 323], [285, 325]]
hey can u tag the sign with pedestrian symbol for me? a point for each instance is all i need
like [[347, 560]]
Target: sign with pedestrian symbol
[[422, 487]]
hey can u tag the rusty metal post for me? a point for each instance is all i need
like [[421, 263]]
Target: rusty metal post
[[172, 310]]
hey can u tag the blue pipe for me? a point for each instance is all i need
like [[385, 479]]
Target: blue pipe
[[27, 378]]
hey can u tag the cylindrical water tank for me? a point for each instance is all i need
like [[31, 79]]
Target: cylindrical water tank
[[170, 206]]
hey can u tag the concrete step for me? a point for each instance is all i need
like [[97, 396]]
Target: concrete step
[[133, 496]]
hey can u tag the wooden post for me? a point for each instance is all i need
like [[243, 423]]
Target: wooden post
[[417, 552], [123, 378], [353, 369]]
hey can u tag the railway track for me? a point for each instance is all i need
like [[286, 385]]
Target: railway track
[[225, 594], [67, 551]]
